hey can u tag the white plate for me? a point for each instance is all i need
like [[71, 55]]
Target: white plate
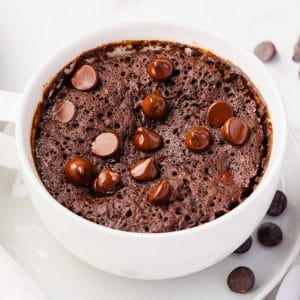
[[62, 276]]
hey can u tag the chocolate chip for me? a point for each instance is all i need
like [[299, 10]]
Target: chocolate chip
[[198, 139], [269, 234], [85, 78], [241, 280], [225, 177], [296, 54], [106, 144], [146, 139], [64, 111], [160, 69], [235, 131], [265, 51], [106, 181], [161, 193], [218, 113], [245, 246], [145, 170], [80, 171], [278, 204], [155, 107]]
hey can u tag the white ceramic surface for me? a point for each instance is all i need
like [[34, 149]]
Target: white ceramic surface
[[62, 276], [152, 256]]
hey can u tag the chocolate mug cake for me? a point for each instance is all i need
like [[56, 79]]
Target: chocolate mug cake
[[150, 136]]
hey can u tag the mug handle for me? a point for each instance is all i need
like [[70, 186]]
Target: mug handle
[[9, 111]]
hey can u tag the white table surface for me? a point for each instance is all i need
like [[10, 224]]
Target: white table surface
[[30, 30]]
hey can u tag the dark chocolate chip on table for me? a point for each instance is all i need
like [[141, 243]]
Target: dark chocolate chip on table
[[296, 54], [245, 246], [64, 111], [265, 51], [198, 139], [106, 144], [105, 181], [85, 78], [241, 280], [218, 113], [155, 107], [145, 170], [161, 193], [80, 171], [235, 131], [160, 69], [146, 139], [269, 234], [278, 204]]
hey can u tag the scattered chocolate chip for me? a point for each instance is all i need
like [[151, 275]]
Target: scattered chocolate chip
[[241, 280], [245, 246], [218, 113], [85, 78], [265, 51], [155, 107], [160, 69], [106, 181], [161, 193], [225, 177], [146, 139], [278, 204], [64, 111], [269, 234], [80, 171], [235, 131], [198, 139], [145, 170], [106, 144], [296, 54]]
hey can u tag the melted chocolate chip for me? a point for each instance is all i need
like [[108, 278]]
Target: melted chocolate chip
[[245, 246], [155, 107], [147, 139], [64, 111], [160, 69], [278, 204], [145, 170], [198, 139], [218, 113], [226, 177], [235, 131], [85, 78], [106, 181], [161, 193], [269, 234], [265, 51], [106, 144], [80, 171], [241, 280]]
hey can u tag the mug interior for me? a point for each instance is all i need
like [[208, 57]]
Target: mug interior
[[152, 31]]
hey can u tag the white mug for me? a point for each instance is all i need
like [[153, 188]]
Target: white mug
[[143, 255]]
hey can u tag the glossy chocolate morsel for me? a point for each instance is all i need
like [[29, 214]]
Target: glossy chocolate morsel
[[198, 139], [64, 111], [155, 107], [145, 170], [278, 204], [106, 181], [80, 171], [241, 280], [161, 193], [218, 113], [146, 139], [265, 51], [235, 131], [85, 78], [160, 69], [106, 144]]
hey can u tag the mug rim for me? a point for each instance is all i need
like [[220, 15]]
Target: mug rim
[[273, 166]]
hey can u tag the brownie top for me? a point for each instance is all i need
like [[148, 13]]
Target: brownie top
[[205, 184]]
